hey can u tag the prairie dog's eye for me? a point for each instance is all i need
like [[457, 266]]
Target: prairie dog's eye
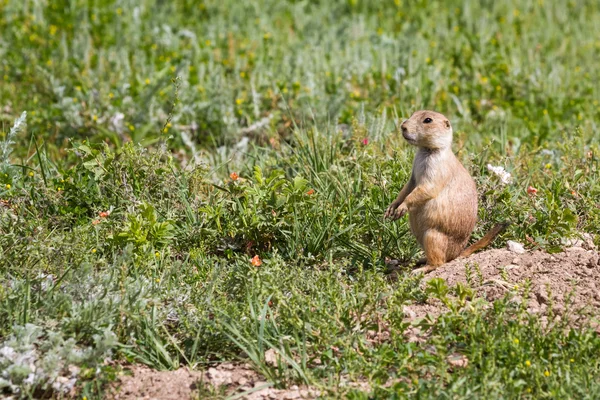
[[427, 120]]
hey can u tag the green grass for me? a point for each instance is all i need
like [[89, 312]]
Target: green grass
[[166, 278]]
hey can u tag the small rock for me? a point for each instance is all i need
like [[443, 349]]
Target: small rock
[[541, 296], [594, 261], [515, 247], [409, 313], [572, 242], [271, 357], [219, 378], [516, 261], [559, 309], [588, 241], [458, 360], [242, 381]]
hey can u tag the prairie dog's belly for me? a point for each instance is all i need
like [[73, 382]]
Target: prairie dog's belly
[[452, 212]]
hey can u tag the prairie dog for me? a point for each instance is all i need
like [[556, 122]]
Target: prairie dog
[[440, 196]]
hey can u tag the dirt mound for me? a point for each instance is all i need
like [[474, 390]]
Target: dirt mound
[[141, 382], [568, 280]]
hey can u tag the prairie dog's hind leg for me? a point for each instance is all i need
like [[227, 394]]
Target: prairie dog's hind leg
[[435, 245]]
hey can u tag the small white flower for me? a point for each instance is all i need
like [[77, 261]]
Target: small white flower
[[117, 122], [500, 172]]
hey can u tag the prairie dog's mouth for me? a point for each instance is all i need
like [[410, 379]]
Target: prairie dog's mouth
[[408, 137]]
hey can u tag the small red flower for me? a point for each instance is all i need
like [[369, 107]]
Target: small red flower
[[573, 193], [531, 191], [104, 214], [234, 177], [365, 141], [256, 261], [95, 222], [311, 191]]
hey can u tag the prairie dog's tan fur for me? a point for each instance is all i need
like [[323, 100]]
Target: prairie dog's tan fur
[[440, 196]]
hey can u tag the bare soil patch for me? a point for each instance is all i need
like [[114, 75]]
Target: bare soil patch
[[229, 379]]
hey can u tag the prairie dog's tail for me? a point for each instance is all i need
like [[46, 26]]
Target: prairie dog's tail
[[485, 240]]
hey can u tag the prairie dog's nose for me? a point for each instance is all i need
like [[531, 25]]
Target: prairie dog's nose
[[403, 127]]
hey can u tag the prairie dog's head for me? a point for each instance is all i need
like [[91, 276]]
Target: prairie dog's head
[[427, 129]]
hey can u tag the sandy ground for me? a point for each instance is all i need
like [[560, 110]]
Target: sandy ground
[[141, 382]]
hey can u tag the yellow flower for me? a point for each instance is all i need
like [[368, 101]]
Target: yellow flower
[[31, 173], [111, 95], [157, 280], [546, 373], [119, 11], [242, 74], [528, 363], [548, 166], [131, 127], [53, 29], [545, 112], [428, 60], [147, 81], [8, 186], [208, 43], [93, 250], [484, 80], [169, 124], [572, 360], [516, 341], [94, 118], [238, 101], [157, 254]]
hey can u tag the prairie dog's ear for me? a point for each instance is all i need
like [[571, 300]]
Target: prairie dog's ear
[[447, 123]]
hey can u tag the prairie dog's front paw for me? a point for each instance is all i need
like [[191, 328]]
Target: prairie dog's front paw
[[389, 213], [400, 211]]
